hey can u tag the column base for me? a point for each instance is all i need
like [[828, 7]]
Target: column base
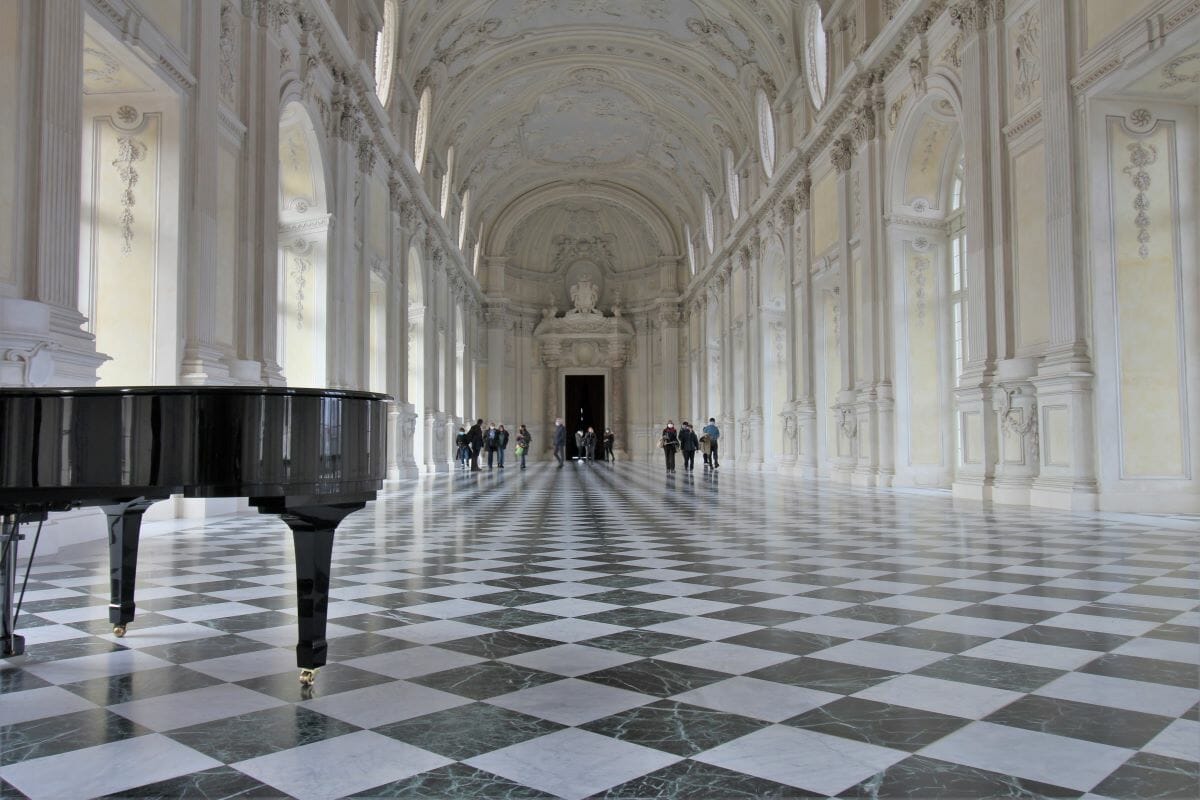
[[976, 489], [1064, 495], [45, 345]]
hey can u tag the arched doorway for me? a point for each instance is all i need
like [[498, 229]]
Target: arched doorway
[[303, 243]]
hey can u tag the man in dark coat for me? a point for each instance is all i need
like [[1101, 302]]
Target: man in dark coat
[[475, 439], [689, 443]]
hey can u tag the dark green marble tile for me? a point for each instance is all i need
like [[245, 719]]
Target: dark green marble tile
[[986, 672], [643, 643], [68, 648], [1150, 776], [252, 622], [251, 735], [1151, 670], [218, 782], [921, 778], [632, 617], [619, 581], [1095, 723], [500, 644], [694, 780], [882, 614], [1069, 637], [455, 781], [657, 678], [60, 734], [938, 641], [675, 727], [140, 685], [332, 678], [626, 597], [15, 679], [1029, 616], [468, 731], [203, 649], [489, 679], [826, 676], [753, 615], [882, 724], [798, 643], [507, 618]]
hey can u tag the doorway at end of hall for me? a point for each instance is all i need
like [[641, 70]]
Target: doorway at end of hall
[[585, 408]]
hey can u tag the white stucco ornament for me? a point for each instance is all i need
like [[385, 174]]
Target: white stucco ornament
[[585, 295]]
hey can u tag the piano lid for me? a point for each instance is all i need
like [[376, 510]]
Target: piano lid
[[104, 443]]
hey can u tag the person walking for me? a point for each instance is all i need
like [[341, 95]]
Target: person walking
[[501, 445], [669, 441], [560, 441], [714, 434], [579, 444], [491, 443], [609, 440], [689, 444], [475, 442], [706, 450], [462, 452], [523, 441], [589, 444]]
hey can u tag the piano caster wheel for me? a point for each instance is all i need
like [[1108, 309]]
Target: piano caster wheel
[[118, 631], [308, 677]]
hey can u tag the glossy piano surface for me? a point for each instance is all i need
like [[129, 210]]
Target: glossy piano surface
[[92, 444], [310, 456]]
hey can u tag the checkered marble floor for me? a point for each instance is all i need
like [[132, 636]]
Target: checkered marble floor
[[608, 631]]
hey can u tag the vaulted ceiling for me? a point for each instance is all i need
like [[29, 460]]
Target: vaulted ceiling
[[642, 95]]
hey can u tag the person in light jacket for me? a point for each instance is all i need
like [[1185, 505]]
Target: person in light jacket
[[713, 433]]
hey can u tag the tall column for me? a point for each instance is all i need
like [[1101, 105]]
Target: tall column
[[847, 411], [753, 437], [668, 380], [41, 327], [1065, 376], [202, 361], [982, 69], [804, 332], [728, 411]]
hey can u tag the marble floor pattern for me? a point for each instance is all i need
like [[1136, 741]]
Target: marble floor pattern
[[611, 632]]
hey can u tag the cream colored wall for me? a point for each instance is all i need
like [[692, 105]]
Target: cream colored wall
[[1029, 231], [123, 240], [922, 304], [169, 16], [923, 180], [377, 219], [1102, 17], [303, 323], [862, 311], [10, 57], [833, 373], [824, 213], [227, 255], [1148, 325]]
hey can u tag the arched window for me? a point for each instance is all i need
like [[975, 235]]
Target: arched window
[[385, 52], [478, 249], [691, 248], [464, 209], [446, 182], [956, 189], [421, 129], [710, 228], [733, 190], [816, 63], [766, 133]]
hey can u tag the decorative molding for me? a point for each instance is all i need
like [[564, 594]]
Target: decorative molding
[[1170, 71], [841, 154], [1140, 157], [1027, 54], [37, 363], [920, 276], [129, 152], [1023, 123], [230, 52]]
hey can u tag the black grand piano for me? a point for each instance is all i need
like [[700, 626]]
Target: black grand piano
[[310, 456]]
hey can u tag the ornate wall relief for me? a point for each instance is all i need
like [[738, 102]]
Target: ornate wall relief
[[1026, 61]]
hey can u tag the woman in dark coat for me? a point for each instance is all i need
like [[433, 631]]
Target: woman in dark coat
[[689, 443], [589, 444], [609, 440]]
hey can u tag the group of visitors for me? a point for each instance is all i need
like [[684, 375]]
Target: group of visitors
[[493, 440], [585, 443], [685, 439]]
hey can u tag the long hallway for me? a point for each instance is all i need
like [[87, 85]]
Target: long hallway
[[611, 631]]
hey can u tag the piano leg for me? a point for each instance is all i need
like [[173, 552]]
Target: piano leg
[[10, 643], [124, 534], [312, 533]]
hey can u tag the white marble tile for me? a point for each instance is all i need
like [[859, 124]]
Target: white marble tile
[[969, 626], [842, 627], [812, 761], [1034, 653], [687, 605], [385, 703], [138, 637], [48, 701], [569, 630], [940, 696], [573, 764], [571, 660], [170, 711], [211, 611], [724, 657], [413, 662], [1180, 739], [67, 616], [876, 655], [569, 607], [1163, 649], [105, 769], [435, 632], [340, 766], [571, 701], [931, 605], [569, 589], [1057, 760], [1151, 601], [751, 697], [247, 593], [703, 628], [1151, 698], [244, 666], [83, 668], [44, 634], [449, 609], [675, 588], [1090, 622], [287, 635]]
